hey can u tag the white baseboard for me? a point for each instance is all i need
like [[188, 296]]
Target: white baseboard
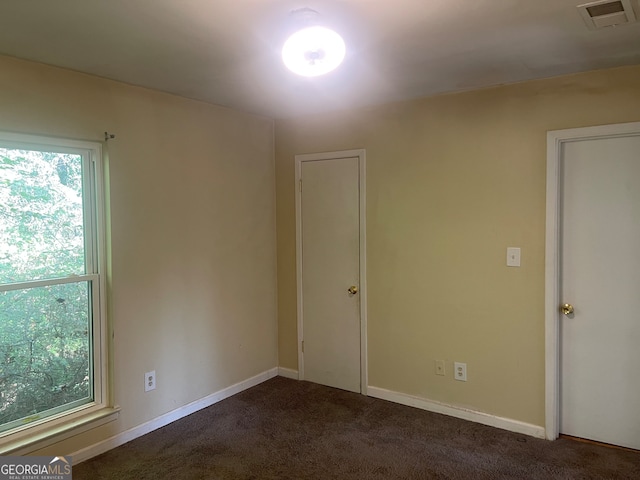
[[172, 416], [288, 373], [458, 412]]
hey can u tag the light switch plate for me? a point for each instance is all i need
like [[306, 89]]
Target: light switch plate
[[513, 257]]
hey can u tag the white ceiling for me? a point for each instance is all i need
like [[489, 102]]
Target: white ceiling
[[227, 52]]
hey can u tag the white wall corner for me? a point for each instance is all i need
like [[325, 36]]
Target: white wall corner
[[288, 373], [135, 432], [458, 412]]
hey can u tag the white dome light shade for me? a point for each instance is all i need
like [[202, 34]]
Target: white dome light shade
[[313, 51]]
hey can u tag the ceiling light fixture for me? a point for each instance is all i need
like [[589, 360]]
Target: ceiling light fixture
[[313, 50]]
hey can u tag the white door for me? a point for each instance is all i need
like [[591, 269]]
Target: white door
[[600, 279], [329, 205]]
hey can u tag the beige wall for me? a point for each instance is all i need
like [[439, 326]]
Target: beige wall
[[452, 181], [192, 233]]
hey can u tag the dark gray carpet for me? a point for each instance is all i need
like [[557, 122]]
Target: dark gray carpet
[[284, 429]]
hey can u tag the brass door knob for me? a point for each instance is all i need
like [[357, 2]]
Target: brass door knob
[[567, 309], [353, 290]]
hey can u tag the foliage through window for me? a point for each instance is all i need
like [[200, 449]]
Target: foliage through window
[[51, 332]]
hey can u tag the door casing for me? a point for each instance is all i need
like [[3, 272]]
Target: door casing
[[362, 293], [555, 141]]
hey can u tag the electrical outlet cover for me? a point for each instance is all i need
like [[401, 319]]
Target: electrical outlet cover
[[150, 381], [460, 371]]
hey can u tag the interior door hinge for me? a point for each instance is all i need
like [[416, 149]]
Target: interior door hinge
[[300, 184], [302, 346]]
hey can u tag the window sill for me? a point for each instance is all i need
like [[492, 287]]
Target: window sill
[[57, 433]]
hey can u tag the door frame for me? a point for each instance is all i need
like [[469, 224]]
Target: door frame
[[362, 292], [555, 141]]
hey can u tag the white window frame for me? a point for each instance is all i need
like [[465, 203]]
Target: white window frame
[[54, 428]]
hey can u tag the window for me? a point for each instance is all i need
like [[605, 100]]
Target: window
[[52, 286]]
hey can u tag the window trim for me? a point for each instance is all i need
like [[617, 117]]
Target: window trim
[[99, 410]]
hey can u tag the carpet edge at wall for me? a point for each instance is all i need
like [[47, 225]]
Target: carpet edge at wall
[[458, 412], [169, 417]]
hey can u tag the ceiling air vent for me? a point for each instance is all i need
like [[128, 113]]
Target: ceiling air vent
[[607, 13]]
